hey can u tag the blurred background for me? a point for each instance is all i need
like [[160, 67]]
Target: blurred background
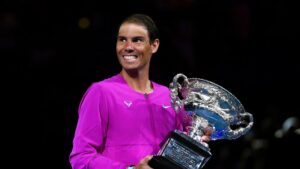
[[52, 51]]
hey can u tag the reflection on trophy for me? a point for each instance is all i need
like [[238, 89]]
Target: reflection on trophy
[[208, 105]]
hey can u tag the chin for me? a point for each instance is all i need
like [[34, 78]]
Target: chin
[[130, 66]]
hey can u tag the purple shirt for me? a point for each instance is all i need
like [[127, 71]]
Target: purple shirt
[[118, 126]]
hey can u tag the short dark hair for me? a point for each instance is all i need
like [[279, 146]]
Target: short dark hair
[[144, 20]]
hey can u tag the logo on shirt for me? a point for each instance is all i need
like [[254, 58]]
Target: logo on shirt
[[165, 106], [128, 103]]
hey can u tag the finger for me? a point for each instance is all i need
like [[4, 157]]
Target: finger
[[205, 138], [188, 128], [208, 130], [147, 159]]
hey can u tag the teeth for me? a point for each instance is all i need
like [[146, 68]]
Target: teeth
[[129, 57]]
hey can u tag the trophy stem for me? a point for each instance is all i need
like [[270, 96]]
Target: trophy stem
[[198, 124]]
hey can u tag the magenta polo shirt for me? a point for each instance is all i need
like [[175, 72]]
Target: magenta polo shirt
[[118, 126]]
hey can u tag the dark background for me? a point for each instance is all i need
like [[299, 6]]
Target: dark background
[[52, 51]]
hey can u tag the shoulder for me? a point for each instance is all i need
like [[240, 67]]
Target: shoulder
[[161, 88], [103, 85]]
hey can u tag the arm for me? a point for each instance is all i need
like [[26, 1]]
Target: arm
[[90, 134]]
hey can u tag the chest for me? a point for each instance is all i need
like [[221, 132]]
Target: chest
[[145, 114]]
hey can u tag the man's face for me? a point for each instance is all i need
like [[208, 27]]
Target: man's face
[[133, 48]]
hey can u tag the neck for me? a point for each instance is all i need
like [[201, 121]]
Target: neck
[[138, 81]]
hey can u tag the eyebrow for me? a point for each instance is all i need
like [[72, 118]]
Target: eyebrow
[[131, 37]]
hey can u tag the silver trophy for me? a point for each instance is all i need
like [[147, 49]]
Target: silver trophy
[[207, 105]]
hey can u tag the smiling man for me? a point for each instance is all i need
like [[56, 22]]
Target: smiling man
[[125, 119]]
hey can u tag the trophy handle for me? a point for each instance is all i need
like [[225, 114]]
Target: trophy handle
[[236, 133], [175, 86]]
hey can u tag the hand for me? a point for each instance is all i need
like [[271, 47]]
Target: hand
[[143, 164], [207, 133], [205, 138]]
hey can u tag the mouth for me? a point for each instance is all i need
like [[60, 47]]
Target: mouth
[[130, 58]]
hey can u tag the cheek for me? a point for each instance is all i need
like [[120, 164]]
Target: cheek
[[143, 49], [118, 50], [117, 47], [148, 51]]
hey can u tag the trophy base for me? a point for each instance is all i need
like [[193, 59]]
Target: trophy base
[[161, 162], [181, 152]]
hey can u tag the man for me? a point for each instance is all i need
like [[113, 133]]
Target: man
[[125, 119]]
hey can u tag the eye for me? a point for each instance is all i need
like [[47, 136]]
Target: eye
[[122, 39], [138, 40]]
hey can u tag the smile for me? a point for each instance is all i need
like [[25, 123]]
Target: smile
[[130, 57]]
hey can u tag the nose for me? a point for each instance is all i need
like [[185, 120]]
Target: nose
[[129, 46]]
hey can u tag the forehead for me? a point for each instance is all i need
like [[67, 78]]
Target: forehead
[[132, 30]]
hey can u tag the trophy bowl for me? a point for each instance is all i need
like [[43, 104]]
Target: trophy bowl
[[207, 105], [210, 104]]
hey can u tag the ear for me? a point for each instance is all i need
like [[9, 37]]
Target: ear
[[155, 45]]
